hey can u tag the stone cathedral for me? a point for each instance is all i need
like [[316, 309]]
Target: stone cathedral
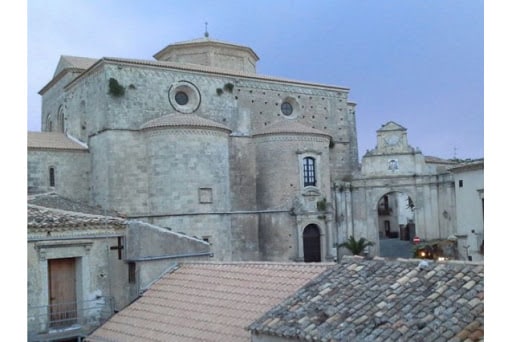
[[263, 168]]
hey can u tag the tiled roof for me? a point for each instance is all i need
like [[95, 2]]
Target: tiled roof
[[75, 62], [183, 120], [39, 217], [202, 41], [437, 160], [207, 302], [200, 68], [467, 166], [290, 127], [56, 201], [383, 300], [52, 141]]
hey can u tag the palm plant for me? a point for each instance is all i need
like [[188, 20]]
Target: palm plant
[[355, 246]]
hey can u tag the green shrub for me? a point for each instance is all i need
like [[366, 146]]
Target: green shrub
[[229, 87], [321, 205], [114, 88]]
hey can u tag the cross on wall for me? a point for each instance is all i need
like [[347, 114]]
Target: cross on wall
[[119, 247]]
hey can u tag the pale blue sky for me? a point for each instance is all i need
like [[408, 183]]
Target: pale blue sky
[[418, 63]]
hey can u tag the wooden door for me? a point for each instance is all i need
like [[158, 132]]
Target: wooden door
[[311, 241], [62, 291]]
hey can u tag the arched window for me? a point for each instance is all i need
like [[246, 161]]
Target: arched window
[[52, 176], [308, 165], [311, 242], [49, 123], [60, 119]]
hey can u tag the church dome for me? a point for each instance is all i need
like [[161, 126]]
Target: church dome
[[211, 52], [183, 121]]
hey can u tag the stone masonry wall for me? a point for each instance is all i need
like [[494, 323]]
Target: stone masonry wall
[[213, 227], [279, 164], [120, 170], [188, 171], [72, 171]]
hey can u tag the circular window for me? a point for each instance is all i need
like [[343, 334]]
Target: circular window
[[290, 107], [286, 108], [181, 98], [184, 97]]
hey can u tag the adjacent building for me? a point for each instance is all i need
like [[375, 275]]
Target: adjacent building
[[84, 265], [469, 190]]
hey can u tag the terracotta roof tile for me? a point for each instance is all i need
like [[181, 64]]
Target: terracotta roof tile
[[183, 120], [52, 141], [207, 301], [56, 201], [76, 62], [383, 300], [44, 218], [204, 69]]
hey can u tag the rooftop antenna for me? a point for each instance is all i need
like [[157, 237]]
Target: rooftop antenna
[[206, 29]]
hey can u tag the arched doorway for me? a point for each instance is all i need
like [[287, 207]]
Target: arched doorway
[[311, 243], [396, 226]]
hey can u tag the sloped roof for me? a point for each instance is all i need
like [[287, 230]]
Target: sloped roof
[[209, 301], [198, 68], [383, 300], [468, 166], [437, 160], [44, 217], [74, 62], [56, 201], [183, 120], [289, 127], [53, 141]]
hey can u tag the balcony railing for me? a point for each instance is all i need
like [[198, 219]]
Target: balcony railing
[[65, 320]]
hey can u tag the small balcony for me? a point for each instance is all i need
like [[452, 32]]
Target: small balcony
[[67, 320]]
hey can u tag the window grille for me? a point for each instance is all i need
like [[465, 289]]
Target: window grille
[[309, 171]]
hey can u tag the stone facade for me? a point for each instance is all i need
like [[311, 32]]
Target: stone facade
[[198, 142]]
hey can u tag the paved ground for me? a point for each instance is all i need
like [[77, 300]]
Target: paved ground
[[395, 248]]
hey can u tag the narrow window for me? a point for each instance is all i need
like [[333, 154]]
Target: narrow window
[[52, 176], [60, 120], [461, 183], [309, 171], [49, 124], [131, 272]]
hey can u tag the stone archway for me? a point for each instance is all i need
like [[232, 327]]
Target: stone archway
[[396, 226], [312, 243]]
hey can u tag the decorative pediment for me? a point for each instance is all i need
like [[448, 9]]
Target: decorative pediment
[[391, 126]]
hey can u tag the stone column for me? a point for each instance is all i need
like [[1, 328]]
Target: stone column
[[329, 236], [349, 228]]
